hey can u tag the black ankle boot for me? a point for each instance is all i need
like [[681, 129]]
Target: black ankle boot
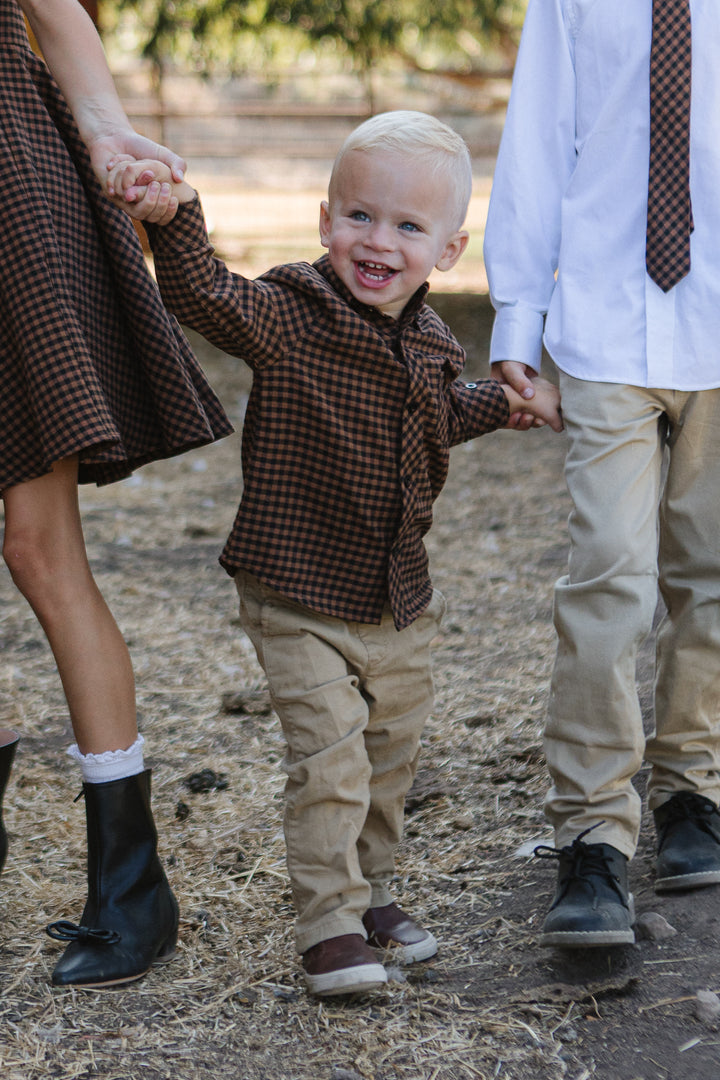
[[8, 743], [592, 904], [130, 919], [688, 830]]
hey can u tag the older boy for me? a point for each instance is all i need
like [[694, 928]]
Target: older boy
[[355, 403], [589, 227]]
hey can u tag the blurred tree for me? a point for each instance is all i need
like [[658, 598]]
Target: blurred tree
[[372, 31], [201, 33]]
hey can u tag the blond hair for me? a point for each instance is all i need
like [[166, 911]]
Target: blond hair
[[404, 131]]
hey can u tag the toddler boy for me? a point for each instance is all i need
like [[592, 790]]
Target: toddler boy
[[355, 403]]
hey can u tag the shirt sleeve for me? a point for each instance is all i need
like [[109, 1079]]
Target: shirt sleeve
[[234, 313], [535, 162], [475, 408]]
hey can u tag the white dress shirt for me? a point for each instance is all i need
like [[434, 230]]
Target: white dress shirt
[[565, 237]]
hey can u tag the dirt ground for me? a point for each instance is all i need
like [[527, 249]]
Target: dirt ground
[[233, 1004]]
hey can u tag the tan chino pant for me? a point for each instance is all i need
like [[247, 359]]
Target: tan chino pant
[[352, 699], [632, 526]]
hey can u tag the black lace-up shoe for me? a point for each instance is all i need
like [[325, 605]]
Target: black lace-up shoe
[[592, 905], [688, 829]]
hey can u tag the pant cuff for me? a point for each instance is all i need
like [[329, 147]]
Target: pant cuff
[[380, 895], [328, 927]]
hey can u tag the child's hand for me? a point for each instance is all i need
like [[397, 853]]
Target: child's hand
[[144, 190], [518, 377], [128, 177], [108, 150], [536, 411], [155, 203]]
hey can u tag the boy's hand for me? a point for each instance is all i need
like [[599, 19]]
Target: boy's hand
[[542, 408], [518, 377], [144, 190], [110, 151], [129, 176], [155, 203]]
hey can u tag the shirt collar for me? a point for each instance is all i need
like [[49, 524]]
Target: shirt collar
[[372, 314]]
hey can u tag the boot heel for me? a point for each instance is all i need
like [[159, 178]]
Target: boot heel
[[168, 950], [8, 745]]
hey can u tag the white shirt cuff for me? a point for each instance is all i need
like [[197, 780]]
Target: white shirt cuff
[[517, 335]]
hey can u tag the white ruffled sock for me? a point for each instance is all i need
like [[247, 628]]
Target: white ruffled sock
[[112, 765]]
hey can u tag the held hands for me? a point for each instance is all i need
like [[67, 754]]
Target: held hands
[[145, 189], [119, 144], [533, 401]]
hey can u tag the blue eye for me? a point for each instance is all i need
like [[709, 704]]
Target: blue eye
[[358, 215], [410, 226]]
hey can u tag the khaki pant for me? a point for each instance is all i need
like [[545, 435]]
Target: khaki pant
[[352, 700], [632, 525]]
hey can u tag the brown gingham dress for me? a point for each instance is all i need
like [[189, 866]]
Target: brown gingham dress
[[90, 362]]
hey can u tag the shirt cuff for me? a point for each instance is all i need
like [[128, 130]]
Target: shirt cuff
[[186, 229], [517, 335]]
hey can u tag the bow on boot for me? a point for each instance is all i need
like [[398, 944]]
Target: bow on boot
[[67, 931]]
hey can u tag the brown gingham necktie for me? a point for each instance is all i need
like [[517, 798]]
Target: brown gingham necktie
[[669, 219]]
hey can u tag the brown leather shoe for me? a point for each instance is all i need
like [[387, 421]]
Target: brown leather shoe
[[391, 930], [342, 965]]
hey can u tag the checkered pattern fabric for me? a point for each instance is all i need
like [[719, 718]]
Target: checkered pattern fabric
[[90, 362], [347, 431], [669, 222]]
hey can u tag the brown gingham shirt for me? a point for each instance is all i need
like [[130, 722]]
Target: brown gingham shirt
[[348, 427]]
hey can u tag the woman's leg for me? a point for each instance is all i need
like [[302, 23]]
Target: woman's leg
[[45, 551], [130, 917]]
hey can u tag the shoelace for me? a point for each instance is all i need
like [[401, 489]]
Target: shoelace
[[690, 806], [586, 860], [67, 931]]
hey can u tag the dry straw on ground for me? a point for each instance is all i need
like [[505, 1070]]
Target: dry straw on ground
[[233, 1003]]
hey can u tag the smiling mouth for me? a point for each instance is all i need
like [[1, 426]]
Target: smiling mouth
[[377, 273]]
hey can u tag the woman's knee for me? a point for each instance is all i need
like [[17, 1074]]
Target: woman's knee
[[43, 546], [30, 557], [47, 564]]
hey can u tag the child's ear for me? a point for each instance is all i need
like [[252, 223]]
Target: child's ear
[[453, 250], [325, 223]]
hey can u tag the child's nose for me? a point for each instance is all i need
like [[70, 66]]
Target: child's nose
[[380, 236]]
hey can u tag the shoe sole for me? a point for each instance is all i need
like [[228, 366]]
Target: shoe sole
[[409, 954], [687, 881], [591, 939], [165, 958], [575, 939], [351, 980]]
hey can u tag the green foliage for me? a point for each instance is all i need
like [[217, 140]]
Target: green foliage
[[205, 33]]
